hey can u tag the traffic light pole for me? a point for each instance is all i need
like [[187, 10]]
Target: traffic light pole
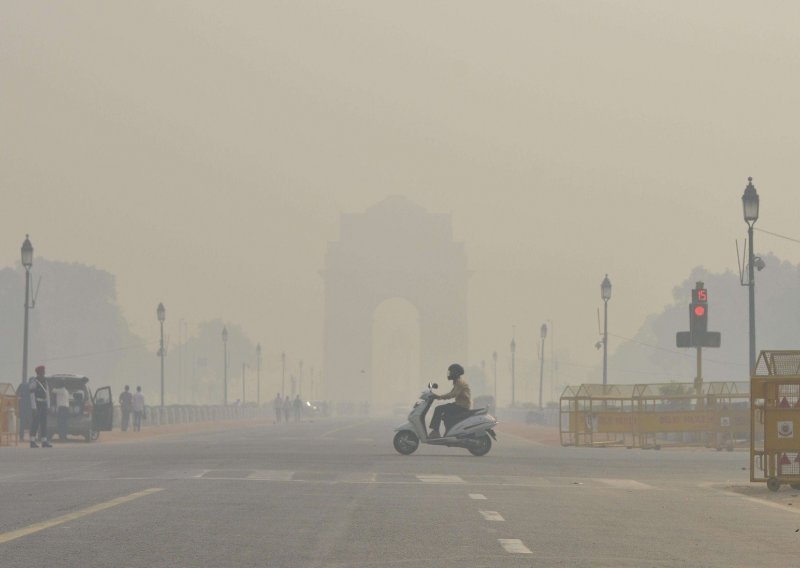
[[699, 379]]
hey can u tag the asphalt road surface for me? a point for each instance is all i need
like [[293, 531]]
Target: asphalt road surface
[[334, 493]]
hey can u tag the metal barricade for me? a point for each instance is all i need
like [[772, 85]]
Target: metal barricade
[[650, 415], [775, 419], [9, 413]]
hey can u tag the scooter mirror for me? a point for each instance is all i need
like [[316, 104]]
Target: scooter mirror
[[434, 386]]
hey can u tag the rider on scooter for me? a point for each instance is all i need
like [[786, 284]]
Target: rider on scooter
[[454, 411]]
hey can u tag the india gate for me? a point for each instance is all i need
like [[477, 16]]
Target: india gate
[[394, 251]]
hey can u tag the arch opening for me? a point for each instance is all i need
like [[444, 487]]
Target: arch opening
[[395, 357]]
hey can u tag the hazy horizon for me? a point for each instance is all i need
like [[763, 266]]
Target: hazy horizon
[[203, 155]]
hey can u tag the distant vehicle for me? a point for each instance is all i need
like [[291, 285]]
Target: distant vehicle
[[88, 414]]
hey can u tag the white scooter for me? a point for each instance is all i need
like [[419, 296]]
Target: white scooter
[[473, 432]]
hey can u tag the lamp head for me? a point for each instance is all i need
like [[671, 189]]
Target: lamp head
[[750, 202], [27, 253], [161, 312], [605, 289], [225, 334]]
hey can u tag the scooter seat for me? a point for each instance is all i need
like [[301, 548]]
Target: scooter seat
[[478, 411]]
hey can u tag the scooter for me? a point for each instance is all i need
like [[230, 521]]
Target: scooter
[[475, 432]]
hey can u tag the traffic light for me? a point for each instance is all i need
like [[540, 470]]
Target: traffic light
[[698, 312]]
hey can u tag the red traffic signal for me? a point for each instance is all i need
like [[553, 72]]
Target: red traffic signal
[[699, 311]]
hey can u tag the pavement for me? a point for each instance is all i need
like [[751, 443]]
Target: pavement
[[334, 493]]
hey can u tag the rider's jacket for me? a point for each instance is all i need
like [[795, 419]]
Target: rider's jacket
[[460, 392]]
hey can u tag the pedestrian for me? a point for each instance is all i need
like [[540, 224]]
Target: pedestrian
[[61, 395], [137, 405], [125, 406], [278, 405], [298, 405], [40, 403], [287, 408], [24, 398]]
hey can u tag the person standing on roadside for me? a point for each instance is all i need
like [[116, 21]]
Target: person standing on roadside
[[298, 405], [125, 406], [278, 405], [61, 395], [40, 403], [287, 408], [137, 405], [24, 398]]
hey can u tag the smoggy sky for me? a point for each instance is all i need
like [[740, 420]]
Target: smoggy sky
[[203, 151]]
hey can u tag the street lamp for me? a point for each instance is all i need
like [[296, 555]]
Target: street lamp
[[494, 359], [258, 374], [605, 294], [541, 363], [162, 314], [283, 374], [750, 210], [300, 384], [244, 395], [513, 357], [27, 262], [225, 365]]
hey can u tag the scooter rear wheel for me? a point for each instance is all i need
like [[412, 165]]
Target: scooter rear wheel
[[482, 446], [406, 442]]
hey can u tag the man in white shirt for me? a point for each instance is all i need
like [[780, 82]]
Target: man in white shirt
[[61, 395], [138, 409]]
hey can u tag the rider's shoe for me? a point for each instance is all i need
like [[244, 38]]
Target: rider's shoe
[[434, 434]]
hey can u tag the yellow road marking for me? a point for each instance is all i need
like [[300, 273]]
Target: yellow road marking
[[19, 533]]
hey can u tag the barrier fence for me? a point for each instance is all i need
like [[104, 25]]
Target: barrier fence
[[650, 415], [775, 419], [9, 411]]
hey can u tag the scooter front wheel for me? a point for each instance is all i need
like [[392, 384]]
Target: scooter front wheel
[[481, 446], [406, 442]]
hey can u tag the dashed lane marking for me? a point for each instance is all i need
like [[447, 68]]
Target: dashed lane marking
[[492, 516], [440, 479], [477, 496], [625, 484], [514, 546], [271, 475], [19, 533]]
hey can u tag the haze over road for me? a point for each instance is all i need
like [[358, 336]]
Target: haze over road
[[334, 493]]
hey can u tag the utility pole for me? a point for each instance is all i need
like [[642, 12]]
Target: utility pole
[[513, 362], [258, 373], [541, 364], [283, 374]]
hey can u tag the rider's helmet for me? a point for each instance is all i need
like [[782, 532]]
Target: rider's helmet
[[454, 371]]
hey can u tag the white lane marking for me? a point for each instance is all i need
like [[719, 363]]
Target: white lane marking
[[364, 440], [476, 496], [625, 484], [271, 475], [492, 516], [358, 477], [13, 535], [440, 479], [201, 474], [514, 546]]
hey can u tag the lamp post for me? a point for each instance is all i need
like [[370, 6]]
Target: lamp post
[[605, 294], [541, 364], [494, 360], [258, 374], [300, 383], [513, 357], [225, 365], [244, 395], [283, 374], [750, 209], [162, 314], [27, 262]]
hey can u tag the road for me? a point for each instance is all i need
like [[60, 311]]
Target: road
[[334, 493]]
